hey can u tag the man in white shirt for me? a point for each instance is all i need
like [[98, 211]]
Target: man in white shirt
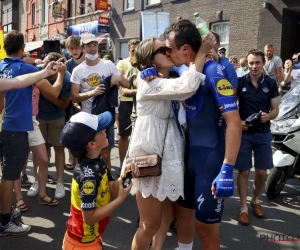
[[86, 85]]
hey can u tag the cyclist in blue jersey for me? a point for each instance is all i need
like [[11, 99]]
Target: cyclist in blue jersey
[[224, 62], [214, 139]]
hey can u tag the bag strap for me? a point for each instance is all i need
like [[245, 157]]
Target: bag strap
[[163, 148]]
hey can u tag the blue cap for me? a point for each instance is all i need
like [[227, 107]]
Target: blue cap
[[82, 128]]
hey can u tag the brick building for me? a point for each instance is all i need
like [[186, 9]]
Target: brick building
[[34, 19], [242, 24], [40, 25]]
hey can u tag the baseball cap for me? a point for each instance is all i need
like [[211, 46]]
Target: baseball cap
[[221, 48], [82, 128], [87, 38]]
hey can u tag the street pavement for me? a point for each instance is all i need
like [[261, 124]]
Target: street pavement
[[280, 229]]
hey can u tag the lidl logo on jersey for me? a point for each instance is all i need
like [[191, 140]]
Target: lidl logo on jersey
[[224, 87], [88, 187]]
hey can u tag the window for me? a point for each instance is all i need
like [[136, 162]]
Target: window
[[150, 2], [69, 8], [83, 7], [33, 14], [45, 11], [128, 4], [7, 28], [223, 30]]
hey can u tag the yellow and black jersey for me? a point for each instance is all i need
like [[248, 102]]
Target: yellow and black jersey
[[89, 191]]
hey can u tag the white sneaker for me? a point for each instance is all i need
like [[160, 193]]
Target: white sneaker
[[117, 137], [60, 191], [14, 228], [34, 189]]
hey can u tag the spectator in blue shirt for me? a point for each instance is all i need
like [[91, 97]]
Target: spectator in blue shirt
[[52, 120]]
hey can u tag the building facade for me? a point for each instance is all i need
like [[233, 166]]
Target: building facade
[[242, 24]]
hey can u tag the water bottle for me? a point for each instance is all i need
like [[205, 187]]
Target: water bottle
[[201, 25]]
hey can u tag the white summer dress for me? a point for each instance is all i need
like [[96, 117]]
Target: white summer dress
[[153, 109]]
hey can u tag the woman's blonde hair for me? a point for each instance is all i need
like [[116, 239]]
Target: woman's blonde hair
[[143, 54]]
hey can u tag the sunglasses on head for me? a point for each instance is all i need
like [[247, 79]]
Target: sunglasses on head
[[163, 50]]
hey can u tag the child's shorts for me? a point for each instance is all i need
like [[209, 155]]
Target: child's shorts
[[71, 244]]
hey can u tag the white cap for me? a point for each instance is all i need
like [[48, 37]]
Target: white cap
[[87, 38]]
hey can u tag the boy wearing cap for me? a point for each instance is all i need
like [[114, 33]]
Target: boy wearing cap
[[86, 79], [92, 182]]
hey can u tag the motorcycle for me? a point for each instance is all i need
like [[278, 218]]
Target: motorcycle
[[286, 143]]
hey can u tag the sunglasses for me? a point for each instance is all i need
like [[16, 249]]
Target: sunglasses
[[221, 52], [163, 50], [132, 50]]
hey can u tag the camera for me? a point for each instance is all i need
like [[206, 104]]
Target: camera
[[254, 122], [51, 46]]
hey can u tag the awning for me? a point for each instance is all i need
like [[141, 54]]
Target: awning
[[33, 45]]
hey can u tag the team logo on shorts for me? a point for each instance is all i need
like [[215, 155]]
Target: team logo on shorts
[[88, 187], [224, 87], [93, 80]]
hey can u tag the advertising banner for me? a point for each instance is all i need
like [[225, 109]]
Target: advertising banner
[[56, 8], [91, 27], [102, 5], [103, 20]]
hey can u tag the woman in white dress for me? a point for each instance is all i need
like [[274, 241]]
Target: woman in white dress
[[155, 194]]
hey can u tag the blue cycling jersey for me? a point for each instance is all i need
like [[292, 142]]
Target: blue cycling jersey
[[230, 70], [205, 108]]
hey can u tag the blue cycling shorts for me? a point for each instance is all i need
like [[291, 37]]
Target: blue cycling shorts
[[205, 164]]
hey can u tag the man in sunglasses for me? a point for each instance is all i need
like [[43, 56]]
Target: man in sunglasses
[[211, 154]]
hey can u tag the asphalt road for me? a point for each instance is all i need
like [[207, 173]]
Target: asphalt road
[[280, 229]]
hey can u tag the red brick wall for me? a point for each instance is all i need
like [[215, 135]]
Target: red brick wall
[[54, 25], [32, 31]]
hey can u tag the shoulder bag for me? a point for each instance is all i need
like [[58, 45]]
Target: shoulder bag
[[149, 165]]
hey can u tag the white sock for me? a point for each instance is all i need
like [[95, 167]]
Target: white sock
[[185, 246]]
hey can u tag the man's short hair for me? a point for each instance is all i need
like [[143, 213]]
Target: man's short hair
[[217, 36], [13, 42], [54, 56], [73, 41], [269, 46], [185, 33], [133, 42], [256, 52], [26, 55], [296, 57]]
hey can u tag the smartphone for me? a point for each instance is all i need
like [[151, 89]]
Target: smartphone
[[126, 179]]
